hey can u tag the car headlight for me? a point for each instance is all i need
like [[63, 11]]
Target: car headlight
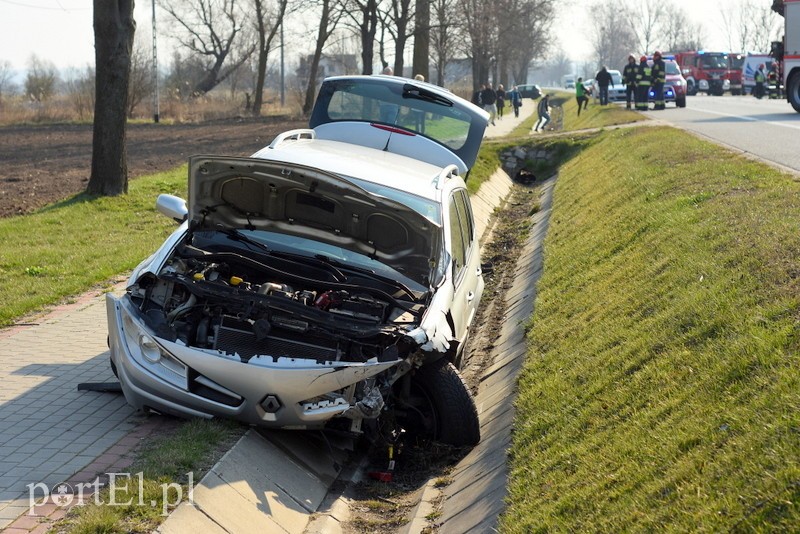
[[726, 84], [150, 355], [679, 83], [703, 84]]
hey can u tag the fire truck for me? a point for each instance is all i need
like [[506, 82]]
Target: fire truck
[[788, 51], [705, 72], [735, 63]]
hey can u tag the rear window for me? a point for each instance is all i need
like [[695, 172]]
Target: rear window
[[409, 107]]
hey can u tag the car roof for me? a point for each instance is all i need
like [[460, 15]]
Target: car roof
[[368, 164]]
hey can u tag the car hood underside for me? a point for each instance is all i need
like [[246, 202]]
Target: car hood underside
[[254, 194]]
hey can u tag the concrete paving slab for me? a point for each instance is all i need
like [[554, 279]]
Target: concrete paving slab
[[256, 458], [189, 518]]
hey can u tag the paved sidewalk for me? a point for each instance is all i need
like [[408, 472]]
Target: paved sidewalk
[[509, 122], [49, 431]]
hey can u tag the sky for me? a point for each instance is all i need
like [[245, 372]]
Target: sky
[[60, 31]]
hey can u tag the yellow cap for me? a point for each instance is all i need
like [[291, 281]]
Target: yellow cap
[[199, 276], [235, 280]]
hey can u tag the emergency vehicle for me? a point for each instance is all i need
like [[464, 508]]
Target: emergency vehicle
[[735, 63], [790, 55], [704, 71]]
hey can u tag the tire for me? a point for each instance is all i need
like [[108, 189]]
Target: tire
[[680, 102], [691, 88], [440, 406], [793, 92]]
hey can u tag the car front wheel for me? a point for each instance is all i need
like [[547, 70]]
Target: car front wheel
[[680, 102], [794, 91], [439, 406]]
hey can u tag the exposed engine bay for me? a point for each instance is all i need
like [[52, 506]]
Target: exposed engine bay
[[278, 305]]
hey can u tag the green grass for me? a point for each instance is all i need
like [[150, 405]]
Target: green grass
[[193, 447], [595, 116], [661, 389], [68, 247]]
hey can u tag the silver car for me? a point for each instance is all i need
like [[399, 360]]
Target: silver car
[[330, 280]]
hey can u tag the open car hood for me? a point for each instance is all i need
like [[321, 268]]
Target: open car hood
[[290, 199]]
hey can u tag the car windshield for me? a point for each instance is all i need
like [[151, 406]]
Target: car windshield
[[672, 68], [737, 61], [714, 61], [616, 78], [411, 107]]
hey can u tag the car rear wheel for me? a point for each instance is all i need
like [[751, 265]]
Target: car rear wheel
[[439, 406]]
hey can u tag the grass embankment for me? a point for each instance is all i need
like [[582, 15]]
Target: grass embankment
[[68, 247], [662, 385]]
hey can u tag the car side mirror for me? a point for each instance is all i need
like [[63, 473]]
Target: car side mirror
[[173, 207]]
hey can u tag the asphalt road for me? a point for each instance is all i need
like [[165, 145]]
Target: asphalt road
[[769, 129]]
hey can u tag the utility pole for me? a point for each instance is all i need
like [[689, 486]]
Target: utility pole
[[155, 68], [283, 79]]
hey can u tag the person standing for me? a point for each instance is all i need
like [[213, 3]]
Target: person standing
[[603, 79], [516, 100], [544, 113], [772, 81], [489, 101], [501, 100], [759, 77], [580, 95], [643, 79], [658, 74], [629, 79]]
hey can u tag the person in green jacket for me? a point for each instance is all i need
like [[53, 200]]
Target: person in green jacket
[[580, 95]]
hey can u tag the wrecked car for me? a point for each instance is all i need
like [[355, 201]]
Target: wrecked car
[[330, 280]]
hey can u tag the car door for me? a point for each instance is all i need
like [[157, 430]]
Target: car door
[[467, 275]]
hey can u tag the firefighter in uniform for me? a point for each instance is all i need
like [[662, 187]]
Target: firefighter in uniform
[[643, 79], [772, 82], [629, 79], [759, 77], [659, 76]]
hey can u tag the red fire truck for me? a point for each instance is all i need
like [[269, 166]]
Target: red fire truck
[[788, 53], [705, 72], [735, 63]]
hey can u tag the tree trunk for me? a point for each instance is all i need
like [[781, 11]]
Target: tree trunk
[[114, 28], [322, 36], [368, 29], [422, 32]]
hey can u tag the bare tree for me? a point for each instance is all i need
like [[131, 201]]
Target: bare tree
[[768, 27], [399, 25], [479, 18], [646, 18], [678, 32], [212, 29], [81, 90], [114, 28], [422, 39], [6, 74], [329, 19], [444, 35], [267, 23], [362, 16], [40, 81], [532, 21], [613, 38], [141, 78]]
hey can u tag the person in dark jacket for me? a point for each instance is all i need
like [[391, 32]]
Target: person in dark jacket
[[603, 79], [489, 101], [629, 79], [658, 74], [759, 77], [501, 100], [643, 80], [544, 113]]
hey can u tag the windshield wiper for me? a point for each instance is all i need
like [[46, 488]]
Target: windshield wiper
[[412, 91]]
